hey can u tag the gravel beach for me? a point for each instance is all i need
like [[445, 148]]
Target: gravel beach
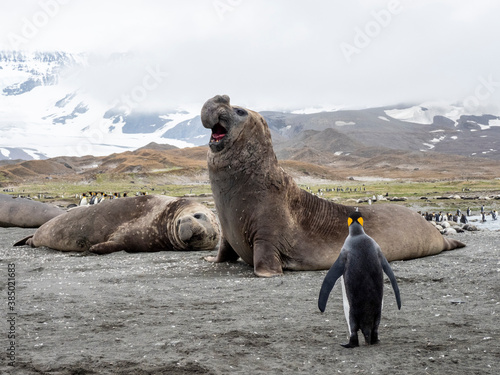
[[175, 313]]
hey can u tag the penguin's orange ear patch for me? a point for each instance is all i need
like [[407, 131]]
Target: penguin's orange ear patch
[[360, 220], [349, 222]]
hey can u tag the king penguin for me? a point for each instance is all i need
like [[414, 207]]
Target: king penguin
[[360, 267]]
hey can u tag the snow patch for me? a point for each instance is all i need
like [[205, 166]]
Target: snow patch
[[311, 110], [5, 152], [437, 140], [429, 145], [32, 153], [494, 122], [383, 118], [344, 123], [424, 113], [490, 150]]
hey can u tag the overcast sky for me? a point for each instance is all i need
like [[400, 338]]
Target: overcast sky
[[281, 54]]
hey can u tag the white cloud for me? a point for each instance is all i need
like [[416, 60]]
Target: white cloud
[[274, 55]]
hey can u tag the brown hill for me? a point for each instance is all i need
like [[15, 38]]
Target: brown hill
[[174, 165], [150, 159]]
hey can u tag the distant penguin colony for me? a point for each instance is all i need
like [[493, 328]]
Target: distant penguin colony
[[92, 197], [360, 267]]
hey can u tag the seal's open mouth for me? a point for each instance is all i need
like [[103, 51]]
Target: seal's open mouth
[[218, 132]]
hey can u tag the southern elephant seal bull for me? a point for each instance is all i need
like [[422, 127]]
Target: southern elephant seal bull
[[137, 224], [25, 213], [272, 224]]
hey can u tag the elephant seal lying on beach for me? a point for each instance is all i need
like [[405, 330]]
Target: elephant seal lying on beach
[[25, 213], [272, 224], [137, 224]]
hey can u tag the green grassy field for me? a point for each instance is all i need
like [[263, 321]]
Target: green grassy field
[[353, 190], [70, 191], [422, 194], [409, 188]]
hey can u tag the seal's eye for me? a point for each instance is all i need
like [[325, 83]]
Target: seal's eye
[[241, 112]]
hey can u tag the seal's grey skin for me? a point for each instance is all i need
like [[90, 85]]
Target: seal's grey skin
[[25, 213], [137, 224], [271, 223]]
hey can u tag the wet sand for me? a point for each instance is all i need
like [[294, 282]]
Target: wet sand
[[174, 313]]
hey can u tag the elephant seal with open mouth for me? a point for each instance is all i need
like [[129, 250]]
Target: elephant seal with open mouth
[[136, 224], [272, 224]]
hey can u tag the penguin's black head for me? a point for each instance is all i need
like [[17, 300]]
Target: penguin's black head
[[355, 217]]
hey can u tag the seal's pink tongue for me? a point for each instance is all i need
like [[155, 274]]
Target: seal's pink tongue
[[218, 132], [218, 137]]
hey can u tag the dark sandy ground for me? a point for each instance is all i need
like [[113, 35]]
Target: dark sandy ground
[[174, 313]]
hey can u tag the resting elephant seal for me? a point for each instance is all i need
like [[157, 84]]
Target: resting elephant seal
[[272, 224], [25, 213], [137, 224]]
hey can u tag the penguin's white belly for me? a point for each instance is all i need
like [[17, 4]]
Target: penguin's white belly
[[347, 307]]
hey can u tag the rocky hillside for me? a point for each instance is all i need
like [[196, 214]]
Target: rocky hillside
[[169, 164]]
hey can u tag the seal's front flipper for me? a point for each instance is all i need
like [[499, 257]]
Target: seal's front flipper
[[226, 253], [266, 263], [24, 241], [106, 247]]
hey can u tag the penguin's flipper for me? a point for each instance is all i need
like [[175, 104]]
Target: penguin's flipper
[[388, 271], [331, 277]]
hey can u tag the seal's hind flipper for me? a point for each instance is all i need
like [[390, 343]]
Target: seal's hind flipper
[[24, 241], [451, 243]]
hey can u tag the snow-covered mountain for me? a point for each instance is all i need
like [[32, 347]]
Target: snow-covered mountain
[[436, 127], [45, 111]]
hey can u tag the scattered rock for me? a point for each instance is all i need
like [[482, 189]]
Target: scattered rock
[[398, 199]]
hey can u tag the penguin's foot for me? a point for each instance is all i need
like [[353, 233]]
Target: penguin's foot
[[349, 345]]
